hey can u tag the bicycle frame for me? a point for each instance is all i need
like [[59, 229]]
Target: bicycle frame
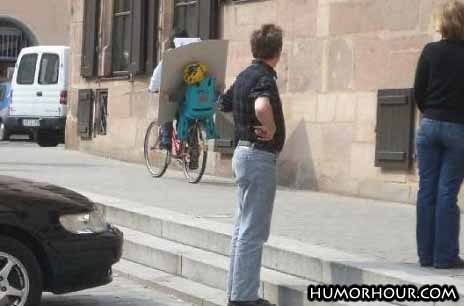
[[177, 150], [176, 146]]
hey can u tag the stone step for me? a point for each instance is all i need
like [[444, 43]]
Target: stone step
[[206, 268], [190, 291], [182, 288], [315, 263]]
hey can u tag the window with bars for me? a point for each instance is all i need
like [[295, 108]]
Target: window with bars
[[11, 43], [101, 112]]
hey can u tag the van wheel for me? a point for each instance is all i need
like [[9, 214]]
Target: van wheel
[[4, 135], [21, 279], [47, 139]]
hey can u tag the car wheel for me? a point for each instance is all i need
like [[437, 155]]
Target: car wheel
[[47, 139], [21, 280], [4, 135]]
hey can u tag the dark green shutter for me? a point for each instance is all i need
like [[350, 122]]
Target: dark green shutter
[[395, 129], [89, 38], [152, 35], [137, 56], [85, 113]]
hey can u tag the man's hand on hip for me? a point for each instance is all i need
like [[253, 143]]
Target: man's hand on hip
[[264, 133], [264, 114]]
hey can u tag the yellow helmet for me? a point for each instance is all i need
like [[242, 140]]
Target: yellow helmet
[[194, 73]]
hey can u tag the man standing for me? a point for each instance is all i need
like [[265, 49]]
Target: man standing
[[260, 136]]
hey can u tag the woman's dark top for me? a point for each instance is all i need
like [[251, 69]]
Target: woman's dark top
[[439, 85]]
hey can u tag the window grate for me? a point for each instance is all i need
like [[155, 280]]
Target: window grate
[[11, 43], [101, 112]]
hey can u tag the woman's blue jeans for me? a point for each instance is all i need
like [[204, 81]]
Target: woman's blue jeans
[[440, 151]]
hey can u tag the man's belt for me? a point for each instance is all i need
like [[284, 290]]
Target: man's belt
[[246, 143], [254, 145]]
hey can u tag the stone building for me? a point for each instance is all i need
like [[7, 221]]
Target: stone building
[[345, 77], [26, 23]]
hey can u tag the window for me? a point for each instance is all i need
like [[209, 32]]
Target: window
[[11, 42], [49, 69], [186, 17], [101, 112], [122, 35], [199, 18], [26, 71]]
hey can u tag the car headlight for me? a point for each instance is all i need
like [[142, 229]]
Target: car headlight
[[87, 223]]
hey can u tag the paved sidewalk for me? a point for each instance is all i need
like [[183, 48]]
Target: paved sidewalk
[[365, 227], [121, 292]]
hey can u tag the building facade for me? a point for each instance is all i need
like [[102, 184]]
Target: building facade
[[26, 23], [345, 77]]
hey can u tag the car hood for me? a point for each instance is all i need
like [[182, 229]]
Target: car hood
[[19, 194]]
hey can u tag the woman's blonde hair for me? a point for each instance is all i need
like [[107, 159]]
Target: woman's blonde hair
[[451, 20]]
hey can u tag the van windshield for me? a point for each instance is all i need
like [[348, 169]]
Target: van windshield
[[26, 71], [49, 69]]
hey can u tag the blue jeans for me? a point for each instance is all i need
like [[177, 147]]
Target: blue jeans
[[255, 173], [440, 151], [166, 133]]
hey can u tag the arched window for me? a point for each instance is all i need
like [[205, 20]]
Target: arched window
[[13, 37]]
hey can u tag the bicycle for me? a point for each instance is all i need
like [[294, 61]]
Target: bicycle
[[158, 158]]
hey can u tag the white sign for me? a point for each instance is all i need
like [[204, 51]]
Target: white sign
[[179, 42], [212, 53], [31, 122]]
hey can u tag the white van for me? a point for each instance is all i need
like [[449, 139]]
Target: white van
[[39, 94]]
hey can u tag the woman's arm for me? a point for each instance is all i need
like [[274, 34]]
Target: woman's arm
[[421, 82]]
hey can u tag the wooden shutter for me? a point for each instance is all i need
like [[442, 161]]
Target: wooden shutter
[[395, 129], [137, 56], [85, 113], [152, 35], [89, 38]]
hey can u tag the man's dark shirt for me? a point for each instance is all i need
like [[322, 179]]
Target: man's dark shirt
[[439, 84], [258, 80]]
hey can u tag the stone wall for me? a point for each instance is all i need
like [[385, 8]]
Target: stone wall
[[48, 20], [337, 54]]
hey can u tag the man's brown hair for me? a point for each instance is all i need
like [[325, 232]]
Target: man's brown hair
[[266, 43], [451, 20]]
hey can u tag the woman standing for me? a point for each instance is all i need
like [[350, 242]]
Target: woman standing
[[439, 92]]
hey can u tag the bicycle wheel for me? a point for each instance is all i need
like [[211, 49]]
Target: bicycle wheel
[[156, 158], [196, 154]]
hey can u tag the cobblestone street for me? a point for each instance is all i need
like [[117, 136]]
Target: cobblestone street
[[122, 292]]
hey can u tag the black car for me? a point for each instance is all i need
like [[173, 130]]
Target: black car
[[51, 239]]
